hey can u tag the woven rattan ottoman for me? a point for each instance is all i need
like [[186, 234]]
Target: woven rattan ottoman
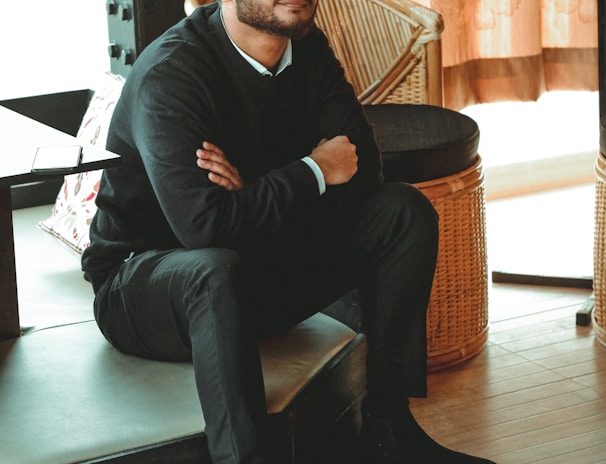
[[436, 149], [599, 247]]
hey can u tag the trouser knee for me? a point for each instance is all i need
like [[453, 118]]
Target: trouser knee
[[403, 197], [400, 208], [210, 274], [147, 307]]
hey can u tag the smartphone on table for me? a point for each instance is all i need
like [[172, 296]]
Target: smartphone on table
[[57, 159]]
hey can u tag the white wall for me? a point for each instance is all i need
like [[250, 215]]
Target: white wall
[[50, 46]]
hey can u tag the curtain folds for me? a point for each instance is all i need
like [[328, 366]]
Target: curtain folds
[[500, 50]]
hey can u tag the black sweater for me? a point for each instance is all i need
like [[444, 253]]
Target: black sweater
[[192, 85]]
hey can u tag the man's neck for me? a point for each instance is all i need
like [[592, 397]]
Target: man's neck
[[267, 49]]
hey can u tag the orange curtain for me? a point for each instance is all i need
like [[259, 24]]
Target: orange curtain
[[499, 50]]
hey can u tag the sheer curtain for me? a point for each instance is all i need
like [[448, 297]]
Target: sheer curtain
[[498, 50]]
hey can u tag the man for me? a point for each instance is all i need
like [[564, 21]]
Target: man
[[197, 252]]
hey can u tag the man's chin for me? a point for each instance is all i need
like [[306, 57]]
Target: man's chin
[[290, 20], [303, 20], [300, 28], [290, 31], [302, 31]]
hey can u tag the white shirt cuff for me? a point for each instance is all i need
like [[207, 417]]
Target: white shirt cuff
[[317, 172]]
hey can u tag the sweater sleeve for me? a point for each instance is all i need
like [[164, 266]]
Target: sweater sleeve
[[169, 124], [342, 114]]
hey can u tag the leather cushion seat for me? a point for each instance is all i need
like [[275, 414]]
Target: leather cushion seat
[[423, 142]]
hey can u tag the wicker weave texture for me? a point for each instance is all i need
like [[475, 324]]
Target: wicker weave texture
[[383, 47], [599, 250], [413, 87], [457, 321]]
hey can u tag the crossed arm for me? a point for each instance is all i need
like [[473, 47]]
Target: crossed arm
[[336, 158]]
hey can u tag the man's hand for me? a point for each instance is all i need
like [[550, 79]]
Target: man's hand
[[221, 171], [337, 159]]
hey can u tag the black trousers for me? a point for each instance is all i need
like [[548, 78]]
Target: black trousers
[[213, 305]]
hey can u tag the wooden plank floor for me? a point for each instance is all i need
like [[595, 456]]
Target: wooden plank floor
[[537, 393]]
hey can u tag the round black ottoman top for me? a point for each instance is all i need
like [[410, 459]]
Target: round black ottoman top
[[423, 142]]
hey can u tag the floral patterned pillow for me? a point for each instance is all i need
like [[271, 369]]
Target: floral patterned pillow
[[75, 205]]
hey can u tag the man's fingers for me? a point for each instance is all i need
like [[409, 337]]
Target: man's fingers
[[212, 147], [217, 167], [221, 181], [221, 171], [210, 155], [215, 162], [337, 158]]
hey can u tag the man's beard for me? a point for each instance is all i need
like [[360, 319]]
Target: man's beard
[[252, 13]]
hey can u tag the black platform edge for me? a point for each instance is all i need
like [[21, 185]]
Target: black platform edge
[[544, 280]]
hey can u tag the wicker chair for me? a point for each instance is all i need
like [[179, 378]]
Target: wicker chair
[[391, 53], [390, 49], [599, 245]]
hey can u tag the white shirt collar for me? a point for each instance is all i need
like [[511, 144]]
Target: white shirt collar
[[284, 62]]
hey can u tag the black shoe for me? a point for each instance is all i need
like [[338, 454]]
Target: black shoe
[[438, 454], [417, 447], [399, 439], [377, 443]]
